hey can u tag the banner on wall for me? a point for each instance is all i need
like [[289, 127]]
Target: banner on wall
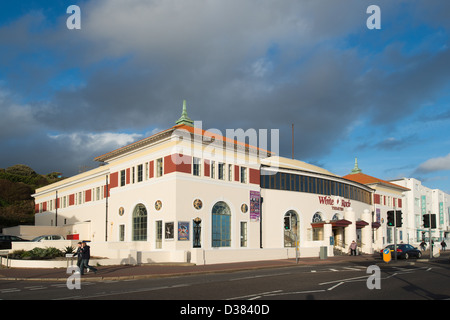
[[255, 201], [183, 230]]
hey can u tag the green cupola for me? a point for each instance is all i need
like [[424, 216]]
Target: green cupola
[[184, 119], [356, 169]]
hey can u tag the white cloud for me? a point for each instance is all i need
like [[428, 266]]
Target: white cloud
[[96, 142], [435, 164]]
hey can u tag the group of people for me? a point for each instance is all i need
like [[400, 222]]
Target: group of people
[[84, 254], [423, 245]]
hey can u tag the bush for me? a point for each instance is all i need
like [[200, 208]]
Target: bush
[[68, 249], [37, 254]]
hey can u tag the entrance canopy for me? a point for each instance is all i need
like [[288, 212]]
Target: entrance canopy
[[334, 223]]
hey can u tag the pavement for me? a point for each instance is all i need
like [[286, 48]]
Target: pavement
[[144, 271]]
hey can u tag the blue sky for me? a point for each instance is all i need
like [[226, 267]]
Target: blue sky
[[67, 96]]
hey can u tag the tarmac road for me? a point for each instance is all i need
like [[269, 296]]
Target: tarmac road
[[339, 278]]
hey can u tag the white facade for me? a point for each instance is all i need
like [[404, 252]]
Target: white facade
[[186, 194], [422, 200]]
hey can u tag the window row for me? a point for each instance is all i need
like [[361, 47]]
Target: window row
[[301, 183], [220, 233], [185, 164], [77, 198]]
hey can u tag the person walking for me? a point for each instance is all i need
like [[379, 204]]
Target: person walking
[[443, 245], [78, 254], [353, 247], [86, 255], [423, 245]]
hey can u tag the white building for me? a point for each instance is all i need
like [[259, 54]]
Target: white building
[[186, 194], [420, 200], [387, 196]]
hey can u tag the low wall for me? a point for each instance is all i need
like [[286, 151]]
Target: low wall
[[49, 264]]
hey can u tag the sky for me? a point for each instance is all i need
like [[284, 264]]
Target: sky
[[381, 95]]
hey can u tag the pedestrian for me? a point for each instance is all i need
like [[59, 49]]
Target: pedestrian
[[423, 245], [78, 254], [443, 245], [86, 255], [353, 247]]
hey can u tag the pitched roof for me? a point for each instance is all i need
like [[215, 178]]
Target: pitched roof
[[188, 128], [366, 179]]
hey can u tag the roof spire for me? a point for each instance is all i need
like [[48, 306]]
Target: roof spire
[[184, 119], [356, 169]]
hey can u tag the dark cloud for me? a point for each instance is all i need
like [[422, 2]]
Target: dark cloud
[[238, 64]]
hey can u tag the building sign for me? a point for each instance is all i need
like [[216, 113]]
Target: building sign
[[255, 200], [336, 203]]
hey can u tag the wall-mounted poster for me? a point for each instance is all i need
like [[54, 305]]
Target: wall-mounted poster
[[183, 230], [168, 230], [255, 198]]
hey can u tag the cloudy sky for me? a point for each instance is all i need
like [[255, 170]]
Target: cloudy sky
[[67, 96]]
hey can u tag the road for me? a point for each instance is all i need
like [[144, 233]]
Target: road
[[399, 281]]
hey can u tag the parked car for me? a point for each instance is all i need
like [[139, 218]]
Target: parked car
[[48, 237], [404, 251], [5, 241]]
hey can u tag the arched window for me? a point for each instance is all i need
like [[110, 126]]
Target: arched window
[[221, 225], [317, 232], [336, 217], [317, 217], [291, 228], [140, 223]]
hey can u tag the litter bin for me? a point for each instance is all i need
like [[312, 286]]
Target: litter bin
[[323, 252]]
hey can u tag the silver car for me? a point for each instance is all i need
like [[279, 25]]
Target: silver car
[[48, 237]]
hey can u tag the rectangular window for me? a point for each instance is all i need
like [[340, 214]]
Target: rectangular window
[[243, 234], [243, 175], [146, 170], [122, 232], [158, 235], [221, 172], [196, 163], [122, 178], [159, 167], [213, 169], [133, 173], [140, 173], [283, 181], [230, 172]]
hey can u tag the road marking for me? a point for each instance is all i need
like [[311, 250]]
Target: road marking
[[10, 290], [336, 285], [254, 295], [352, 269], [261, 276]]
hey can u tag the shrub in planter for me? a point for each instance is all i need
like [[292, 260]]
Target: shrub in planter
[[37, 254]]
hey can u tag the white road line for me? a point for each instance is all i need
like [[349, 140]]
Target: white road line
[[260, 276], [336, 285], [254, 295], [352, 269], [10, 290]]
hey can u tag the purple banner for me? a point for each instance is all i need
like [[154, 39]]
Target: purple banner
[[255, 198]]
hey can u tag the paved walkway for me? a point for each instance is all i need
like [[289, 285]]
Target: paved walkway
[[122, 272]]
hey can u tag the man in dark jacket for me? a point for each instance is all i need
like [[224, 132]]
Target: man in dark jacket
[[78, 254], [85, 256]]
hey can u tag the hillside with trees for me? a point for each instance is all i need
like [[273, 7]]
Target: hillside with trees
[[17, 184]]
